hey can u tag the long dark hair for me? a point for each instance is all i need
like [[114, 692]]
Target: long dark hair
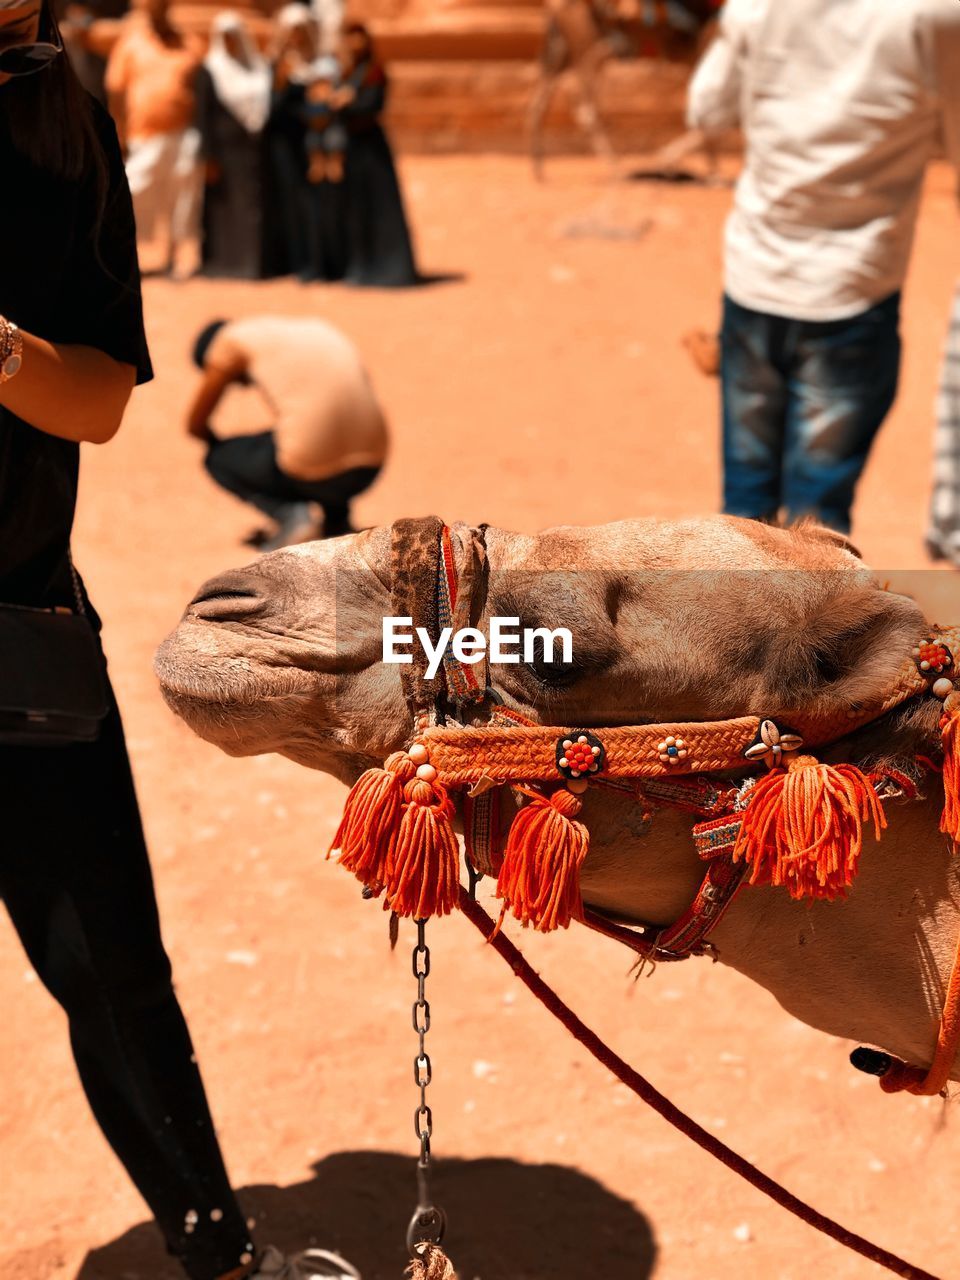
[[49, 118]]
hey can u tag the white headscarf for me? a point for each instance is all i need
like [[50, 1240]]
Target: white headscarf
[[329, 15], [293, 15], [290, 18], [243, 89]]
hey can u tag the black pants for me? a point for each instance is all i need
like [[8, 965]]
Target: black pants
[[77, 884], [246, 466]]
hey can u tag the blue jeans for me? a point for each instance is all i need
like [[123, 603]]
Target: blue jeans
[[802, 402]]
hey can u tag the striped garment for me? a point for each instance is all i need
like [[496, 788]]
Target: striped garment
[[943, 534]]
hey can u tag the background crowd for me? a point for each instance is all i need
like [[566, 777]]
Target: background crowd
[[273, 159], [271, 155]]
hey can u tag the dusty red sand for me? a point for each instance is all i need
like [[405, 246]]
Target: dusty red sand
[[548, 386]]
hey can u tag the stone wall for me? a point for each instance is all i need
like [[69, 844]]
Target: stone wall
[[482, 105], [462, 75]]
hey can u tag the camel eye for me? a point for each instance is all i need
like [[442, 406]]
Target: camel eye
[[836, 658], [554, 675], [830, 666]]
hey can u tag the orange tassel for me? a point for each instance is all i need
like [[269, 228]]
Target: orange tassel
[[540, 877], [804, 827], [371, 818], [423, 868], [950, 819]]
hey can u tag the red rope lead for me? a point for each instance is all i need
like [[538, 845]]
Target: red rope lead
[[673, 1115]]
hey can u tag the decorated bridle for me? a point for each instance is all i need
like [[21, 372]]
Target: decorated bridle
[[800, 823]]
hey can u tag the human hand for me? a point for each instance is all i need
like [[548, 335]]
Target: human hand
[[316, 169], [704, 350]]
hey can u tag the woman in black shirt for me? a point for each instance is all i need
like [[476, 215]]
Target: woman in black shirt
[[73, 865]]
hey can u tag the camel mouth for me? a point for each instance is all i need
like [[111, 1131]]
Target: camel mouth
[[236, 729], [240, 720], [229, 698], [212, 717], [205, 683]]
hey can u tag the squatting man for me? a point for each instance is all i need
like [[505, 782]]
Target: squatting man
[[507, 644], [329, 438]]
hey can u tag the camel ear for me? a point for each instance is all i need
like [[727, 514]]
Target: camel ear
[[820, 533], [849, 650]]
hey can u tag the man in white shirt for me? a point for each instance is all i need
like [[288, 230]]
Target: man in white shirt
[[329, 435], [842, 103]]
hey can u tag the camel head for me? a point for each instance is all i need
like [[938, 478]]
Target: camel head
[[697, 620]]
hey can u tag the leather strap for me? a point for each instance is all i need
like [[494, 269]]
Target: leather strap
[[689, 935], [463, 557], [435, 579], [414, 553]]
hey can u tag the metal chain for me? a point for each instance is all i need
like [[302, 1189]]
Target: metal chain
[[428, 1222]]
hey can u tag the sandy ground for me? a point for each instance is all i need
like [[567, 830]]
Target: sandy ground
[[546, 385]]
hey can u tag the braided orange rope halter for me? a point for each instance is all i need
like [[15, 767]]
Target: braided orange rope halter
[[800, 824]]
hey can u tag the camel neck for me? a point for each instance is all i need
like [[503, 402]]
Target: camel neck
[[874, 967]]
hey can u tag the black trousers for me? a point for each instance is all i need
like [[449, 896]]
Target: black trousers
[[77, 883], [246, 466]]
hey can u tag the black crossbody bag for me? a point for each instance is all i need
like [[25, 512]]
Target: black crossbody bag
[[53, 680]]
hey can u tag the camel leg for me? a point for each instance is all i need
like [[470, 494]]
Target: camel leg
[[538, 110], [711, 151], [589, 118], [670, 157], [695, 141]]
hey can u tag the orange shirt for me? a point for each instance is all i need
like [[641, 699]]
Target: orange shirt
[[155, 80]]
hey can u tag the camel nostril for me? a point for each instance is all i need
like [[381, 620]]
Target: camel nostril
[[225, 597], [204, 596], [221, 607]]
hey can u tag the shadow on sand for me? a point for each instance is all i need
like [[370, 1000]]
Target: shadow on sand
[[508, 1221], [427, 278]]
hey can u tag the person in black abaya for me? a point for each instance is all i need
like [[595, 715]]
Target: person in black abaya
[[379, 249], [326, 141], [233, 104], [293, 48], [312, 233]]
